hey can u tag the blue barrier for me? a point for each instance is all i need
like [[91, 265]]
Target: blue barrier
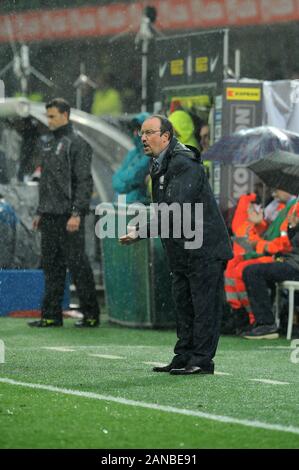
[[22, 290]]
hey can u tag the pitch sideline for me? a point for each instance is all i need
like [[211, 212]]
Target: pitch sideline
[[153, 406]]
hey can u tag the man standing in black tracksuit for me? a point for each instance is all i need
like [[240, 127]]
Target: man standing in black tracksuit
[[178, 176], [64, 195]]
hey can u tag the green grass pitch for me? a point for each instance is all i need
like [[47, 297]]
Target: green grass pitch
[[95, 389]]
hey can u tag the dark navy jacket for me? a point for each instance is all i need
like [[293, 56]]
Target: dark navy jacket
[[182, 179]]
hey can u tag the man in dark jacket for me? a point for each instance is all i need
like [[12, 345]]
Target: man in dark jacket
[[197, 269], [64, 195], [258, 277]]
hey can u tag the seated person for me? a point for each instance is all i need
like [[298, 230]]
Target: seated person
[[258, 277], [252, 244]]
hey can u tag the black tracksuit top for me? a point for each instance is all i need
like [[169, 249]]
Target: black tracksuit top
[[66, 182]]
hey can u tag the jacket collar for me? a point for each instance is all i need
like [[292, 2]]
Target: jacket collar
[[171, 149], [63, 130], [168, 154], [176, 145]]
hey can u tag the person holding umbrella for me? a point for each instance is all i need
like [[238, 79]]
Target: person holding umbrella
[[278, 168], [258, 276]]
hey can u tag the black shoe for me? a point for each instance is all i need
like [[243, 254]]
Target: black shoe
[[242, 331], [87, 323], [45, 323], [241, 319], [262, 332], [190, 370], [163, 368]]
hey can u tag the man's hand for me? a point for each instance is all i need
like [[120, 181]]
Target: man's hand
[[73, 223], [131, 237], [36, 222], [293, 220], [254, 216]]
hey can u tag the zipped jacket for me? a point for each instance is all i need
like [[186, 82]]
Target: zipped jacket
[[66, 182]]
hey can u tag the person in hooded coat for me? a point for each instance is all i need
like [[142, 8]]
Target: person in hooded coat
[[183, 127], [130, 178]]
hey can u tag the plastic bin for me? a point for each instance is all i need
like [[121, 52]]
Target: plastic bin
[[22, 290], [137, 282]]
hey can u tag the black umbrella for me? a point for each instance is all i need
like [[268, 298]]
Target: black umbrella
[[248, 145], [279, 170]]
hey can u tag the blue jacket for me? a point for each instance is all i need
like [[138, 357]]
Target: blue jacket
[[129, 179]]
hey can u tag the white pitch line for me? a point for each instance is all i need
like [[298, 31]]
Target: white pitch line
[[217, 372], [270, 348], [271, 382], [153, 406], [59, 348], [106, 356], [155, 364]]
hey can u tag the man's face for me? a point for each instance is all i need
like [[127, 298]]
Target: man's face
[[205, 137], [153, 142], [56, 119]]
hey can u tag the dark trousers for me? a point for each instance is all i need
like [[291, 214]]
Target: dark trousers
[[198, 293], [62, 250], [257, 279]]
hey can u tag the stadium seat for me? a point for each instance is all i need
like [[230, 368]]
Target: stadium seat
[[291, 287]]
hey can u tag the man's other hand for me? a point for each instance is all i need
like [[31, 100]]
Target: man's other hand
[[293, 220], [254, 216], [73, 223]]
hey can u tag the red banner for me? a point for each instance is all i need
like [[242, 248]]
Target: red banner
[[120, 17]]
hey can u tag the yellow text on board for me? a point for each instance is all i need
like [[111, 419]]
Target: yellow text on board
[[201, 64], [177, 67], [243, 94], [189, 101]]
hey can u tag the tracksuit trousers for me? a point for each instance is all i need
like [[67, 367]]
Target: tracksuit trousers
[[61, 250], [258, 278], [198, 292]]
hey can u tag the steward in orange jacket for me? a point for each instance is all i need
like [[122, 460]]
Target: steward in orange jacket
[[251, 247]]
